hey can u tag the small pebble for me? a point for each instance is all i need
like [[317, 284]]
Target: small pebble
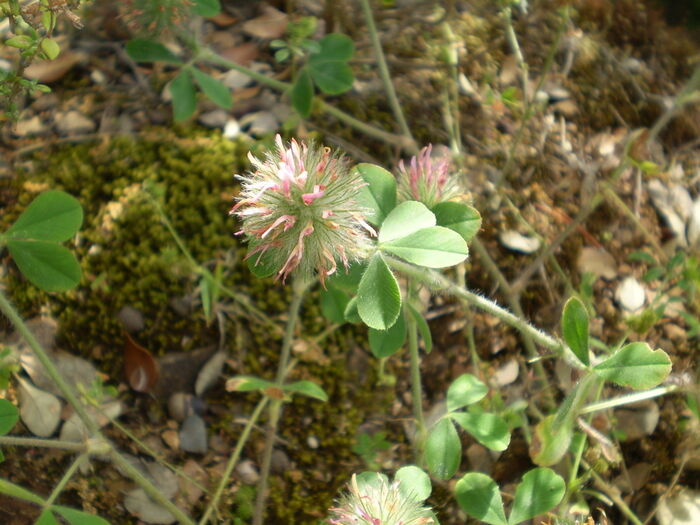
[[73, 122], [630, 295], [248, 472]]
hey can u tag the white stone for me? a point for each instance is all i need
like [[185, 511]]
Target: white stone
[[630, 295]]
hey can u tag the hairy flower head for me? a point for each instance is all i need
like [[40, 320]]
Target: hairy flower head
[[379, 502], [427, 179], [299, 211]]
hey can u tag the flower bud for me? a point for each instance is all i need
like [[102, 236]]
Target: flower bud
[[427, 179]]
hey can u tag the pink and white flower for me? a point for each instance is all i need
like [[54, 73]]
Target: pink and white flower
[[299, 210]]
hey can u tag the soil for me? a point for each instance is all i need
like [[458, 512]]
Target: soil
[[606, 73]]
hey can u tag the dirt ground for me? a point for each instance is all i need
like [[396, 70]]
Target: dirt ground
[[608, 72]]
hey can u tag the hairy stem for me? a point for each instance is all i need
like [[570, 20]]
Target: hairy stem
[[21, 441], [435, 279]]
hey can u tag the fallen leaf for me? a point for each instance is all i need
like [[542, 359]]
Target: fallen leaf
[[47, 71], [209, 373], [75, 370], [596, 261], [40, 411], [75, 430], [140, 367], [271, 24], [140, 505]]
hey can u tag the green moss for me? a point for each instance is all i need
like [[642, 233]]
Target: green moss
[[127, 255]]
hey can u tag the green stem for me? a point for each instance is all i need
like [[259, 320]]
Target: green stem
[[243, 438], [275, 411], [18, 441], [149, 488], [406, 143], [239, 298], [630, 398], [613, 493], [92, 427], [416, 386], [51, 370], [66, 478], [384, 70], [435, 279]]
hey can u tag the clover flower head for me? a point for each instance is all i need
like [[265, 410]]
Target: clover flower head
[[378, 503], [427, 179], [299, 211]]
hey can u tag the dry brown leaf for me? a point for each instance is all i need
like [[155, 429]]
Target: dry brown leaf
[[140, 368], [47, 71], [271, 24], [242, 54]]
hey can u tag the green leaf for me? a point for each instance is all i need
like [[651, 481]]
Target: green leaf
[[247, 384], [307, 388], [184, 96], [333, 304], [47, 265], [78, 517], [435, 247], [206, 7], [351, 314], [8, 416], [540, 490], [423, 328], [488, 429], [458, 217], [261, 265], [335, 46], [15, 491], [379, 195], [347, 280], [478, 496], [407, 218], [465, 390], [333, 78], [414, 482], [53, 216], [550, 443], [302, 93], [574, 328], [144, 50], [443, 450], [215, 90], [20, 41], [385, 343], [636, 366], [378, 295], [46, 518], [641, 256], [50, 47]]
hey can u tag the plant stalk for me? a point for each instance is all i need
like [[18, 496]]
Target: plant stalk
[[66, 478], [416, 385], [275, 410], [92, 427], [384, 70], [435, 279], [21, 441], [243, 438]]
